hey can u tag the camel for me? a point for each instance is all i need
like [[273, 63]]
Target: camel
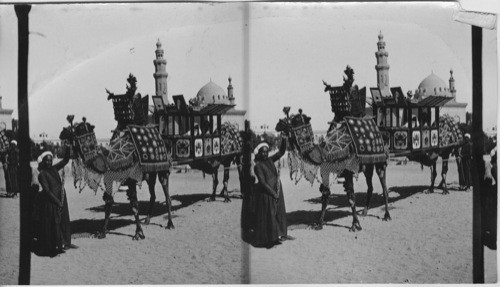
[[451, 142], [116, 164], [334, 156], [121, 163]]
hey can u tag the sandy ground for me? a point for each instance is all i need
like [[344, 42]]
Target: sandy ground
[[429, 239]]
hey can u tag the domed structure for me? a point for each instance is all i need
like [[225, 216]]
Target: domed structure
[[211, 93], [433, 86]]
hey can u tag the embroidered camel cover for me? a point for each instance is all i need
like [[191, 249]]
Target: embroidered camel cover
[[150, 148], [367, 140], [4, 141], [449, 134]]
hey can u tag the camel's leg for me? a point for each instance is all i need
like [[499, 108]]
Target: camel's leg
[[108, 203], [164, 177], [325, 195], [151, 181], [368, 171], [381, 172], [433, 177], [134, 203], [444, 171], [215, 182], [349, 188]]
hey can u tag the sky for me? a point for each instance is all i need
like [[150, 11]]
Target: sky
[[277, 54]]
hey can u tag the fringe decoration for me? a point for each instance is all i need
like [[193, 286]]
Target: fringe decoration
[[122, 163], [338, 155]]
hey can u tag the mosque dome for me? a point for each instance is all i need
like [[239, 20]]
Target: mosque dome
[[211, 93], [433, 86]]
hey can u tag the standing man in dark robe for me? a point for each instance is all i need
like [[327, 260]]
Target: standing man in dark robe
[[461, 180], [270, 211], [55, 233], [3, 159], [12, 167], [466, 155]]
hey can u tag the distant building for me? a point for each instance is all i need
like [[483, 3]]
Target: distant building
[[430, 86], [5, 117], [433, 85], [210, 93]]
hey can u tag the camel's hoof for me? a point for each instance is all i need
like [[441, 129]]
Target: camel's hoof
[[170, 225], [101, 235], [226, 200], [138, 235], [355, 227], [211, 198], [387, 217], [428, 191], [318, 226], [147, 220], [446, 192]]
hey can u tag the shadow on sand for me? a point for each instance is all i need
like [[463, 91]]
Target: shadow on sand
[[336, 201], [87, 227]]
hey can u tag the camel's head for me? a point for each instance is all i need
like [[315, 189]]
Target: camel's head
[[74, 130]]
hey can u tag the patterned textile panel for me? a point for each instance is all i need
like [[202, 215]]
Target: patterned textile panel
[[304, 136], [216, 146], [426, 139], [208, 146], [434, 138], [416, 140], [121, 153], [4, 141], [230, 138], [88, 146], [336, 144], [150, 147], [400, 140], [183, 148], [123, 109], [339, 100], [198, 147], [449, 134], [367, 140]]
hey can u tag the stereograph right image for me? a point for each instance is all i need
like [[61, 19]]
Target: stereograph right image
[[365, 152]]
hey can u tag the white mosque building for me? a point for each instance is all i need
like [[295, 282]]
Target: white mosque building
[[210, 93], [432, 85]]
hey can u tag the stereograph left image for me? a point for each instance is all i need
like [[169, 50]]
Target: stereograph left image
[[135, 120], [237, 143]]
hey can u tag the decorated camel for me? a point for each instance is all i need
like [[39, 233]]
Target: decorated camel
[[352, 144], [451, 138], [136, 152], [120, 164], [355, 143]]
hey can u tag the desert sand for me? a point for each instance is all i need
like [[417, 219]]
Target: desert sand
[[428, 240]]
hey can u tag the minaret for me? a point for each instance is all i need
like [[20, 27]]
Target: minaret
[[160, 74], [230, 92], [452, 85], [382, 67]]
